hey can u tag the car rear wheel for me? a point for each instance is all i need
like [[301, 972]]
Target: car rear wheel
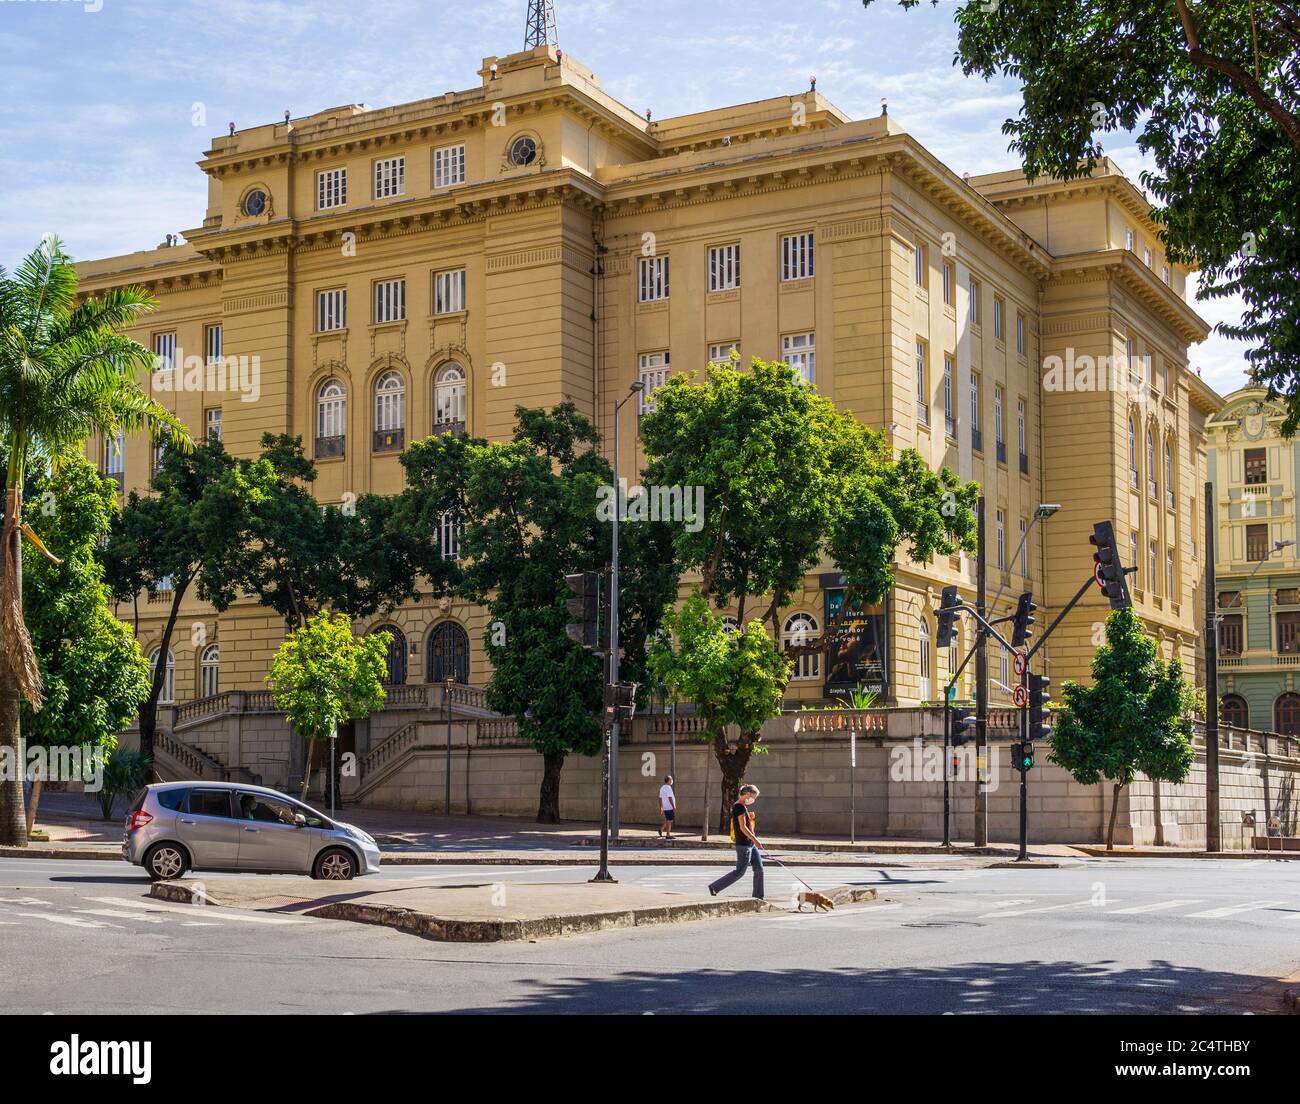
[[335, 865], [165, 860]]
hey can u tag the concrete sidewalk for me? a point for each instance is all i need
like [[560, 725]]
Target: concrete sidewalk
[[479, 913]]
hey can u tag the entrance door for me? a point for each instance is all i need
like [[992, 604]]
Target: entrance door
[[449, 653]]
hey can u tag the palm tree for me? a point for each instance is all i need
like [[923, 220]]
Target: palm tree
[[66, 372]]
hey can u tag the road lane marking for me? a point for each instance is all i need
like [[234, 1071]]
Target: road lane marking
[[1159, 906], [213, 910], [122, 914], [1041, 908], [70, 921], [1232, 910], [22, 901]]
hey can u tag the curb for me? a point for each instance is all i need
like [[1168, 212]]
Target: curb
[[444, 930], [1154, 853], [645, 842], [61, 853], [1028, 864]]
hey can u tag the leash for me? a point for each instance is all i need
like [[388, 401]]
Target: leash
[[791, 873]]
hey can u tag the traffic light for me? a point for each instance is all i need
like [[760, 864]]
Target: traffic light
[[1038, 685], [620, 702], [963, 726], [1022, 755], [1107, 569], [585, 607], [1020, 629], [948, 605]]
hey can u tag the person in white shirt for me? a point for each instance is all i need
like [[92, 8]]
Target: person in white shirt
[[668, 803]]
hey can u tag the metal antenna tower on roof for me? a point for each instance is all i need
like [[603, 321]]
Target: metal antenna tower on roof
[[541, 25]]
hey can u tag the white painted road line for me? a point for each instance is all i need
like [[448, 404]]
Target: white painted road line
[[1159, 906], [1042, 908], [1232, 910], [201, 910], [122, 914], [70, 921]]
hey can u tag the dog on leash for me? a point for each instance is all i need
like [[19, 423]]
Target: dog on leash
[[819, 901]]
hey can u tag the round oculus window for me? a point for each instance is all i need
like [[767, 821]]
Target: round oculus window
[[523, 151], [255, 202]]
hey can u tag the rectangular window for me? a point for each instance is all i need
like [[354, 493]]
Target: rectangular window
[[1164, 273], [114, 455], [1256, 542], [164, 349], [1002, 541], [1020, 425], [1024, 548], [975, 301], [652, 371], [1230, 634], [949, 417], [331, 310], [1170, 588], [390, 177], [721, 354], [212, 342], [1133, 555], [976, 437], [922, 389], [999, 309], [1288, 596], [1288, 633], [1146, 256], [999, 439], [449, 535], [949, 281], [797, 257], [1128, 237], [724, 267], [449, 291], [1020, 333], [1152, 570], [448, 166], [331, 188], [1230, 599], [800, 352], [212, 419], [921, 265], [653, 281], [1256, 467], [390, 301]]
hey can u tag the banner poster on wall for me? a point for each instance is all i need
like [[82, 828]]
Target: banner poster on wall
[[856, 642]]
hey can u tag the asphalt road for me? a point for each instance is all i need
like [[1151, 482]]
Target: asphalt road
[[1098, 936]]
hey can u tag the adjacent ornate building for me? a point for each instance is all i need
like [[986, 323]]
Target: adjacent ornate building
[[429, 267], [1256, 563]]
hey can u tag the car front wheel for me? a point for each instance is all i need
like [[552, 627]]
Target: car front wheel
[[165, 860], [336, 865]]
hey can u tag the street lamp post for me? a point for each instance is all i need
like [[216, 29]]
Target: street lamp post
[[447, 684], [635, 389]]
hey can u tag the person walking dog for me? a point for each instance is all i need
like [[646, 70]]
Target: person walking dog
[[668, 805], [748, 845]]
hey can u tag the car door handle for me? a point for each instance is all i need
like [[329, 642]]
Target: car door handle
[[250, 829], [184, 821]]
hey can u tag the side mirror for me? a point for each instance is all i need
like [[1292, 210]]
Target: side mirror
[[300, 820]]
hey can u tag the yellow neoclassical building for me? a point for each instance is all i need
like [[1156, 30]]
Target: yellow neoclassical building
[[373, 276]]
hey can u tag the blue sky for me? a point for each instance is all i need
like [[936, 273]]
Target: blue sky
[[98, 137]]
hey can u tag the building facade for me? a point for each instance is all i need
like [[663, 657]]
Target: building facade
[[429, 267], [1255, 472]]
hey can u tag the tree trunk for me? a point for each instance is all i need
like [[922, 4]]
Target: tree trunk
[[548, 802], [1114, 810], [149, 707], [37, 783], [733, 762], [309, 748], [13, 819]]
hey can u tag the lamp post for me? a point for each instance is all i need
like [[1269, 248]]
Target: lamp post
[[635, 389], [447, 684]]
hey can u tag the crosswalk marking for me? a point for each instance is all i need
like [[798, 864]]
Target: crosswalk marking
[[122, 914], [152, 905], [70, 921], [1041, 908], [1232, 910], [1159, 906]]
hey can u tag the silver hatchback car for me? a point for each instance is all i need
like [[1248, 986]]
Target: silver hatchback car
[[172, 827]]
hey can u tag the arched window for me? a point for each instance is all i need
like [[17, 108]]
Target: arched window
[[730, 624], [1234, 711], [448, 655], [449, 536], [331, 406], [1132, 453], [1151, 462], [1286, 715], [210, 671], [449, 399], [801, 629], [927, 687], [390, 411], [167, 695], [396, 675], [1169, 471]]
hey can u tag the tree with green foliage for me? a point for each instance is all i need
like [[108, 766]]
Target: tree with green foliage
[[733, 676], [298, 556], [528, 511], [1136, 717], [67, 372], [171, 540], [125, 772], [788, 480], [323, 676], [1213, 89]]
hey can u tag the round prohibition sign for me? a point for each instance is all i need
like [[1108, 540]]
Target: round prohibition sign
[[1020, 663], [1020, 696]]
